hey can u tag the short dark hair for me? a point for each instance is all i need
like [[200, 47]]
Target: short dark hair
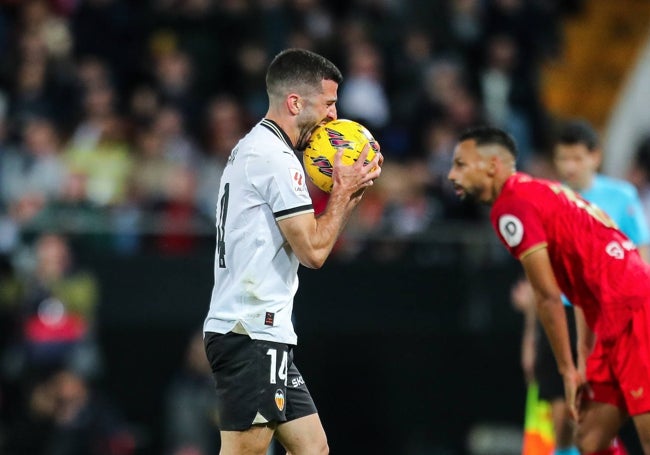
[[490, 135], [577, 131], [295, 68]]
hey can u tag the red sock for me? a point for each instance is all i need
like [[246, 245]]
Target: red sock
[[616, 448], [618, 445]]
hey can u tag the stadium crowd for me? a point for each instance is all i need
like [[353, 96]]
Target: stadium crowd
[[117, 118]]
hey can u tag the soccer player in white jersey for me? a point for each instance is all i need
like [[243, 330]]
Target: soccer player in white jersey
[[266, 227]]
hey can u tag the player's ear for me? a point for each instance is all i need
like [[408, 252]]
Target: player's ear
[[294, 103], [493, 165], [597, 156]]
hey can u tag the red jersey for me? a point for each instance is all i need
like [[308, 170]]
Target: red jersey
[[596, 266]]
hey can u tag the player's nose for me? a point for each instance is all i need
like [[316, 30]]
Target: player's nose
[[332, 113]]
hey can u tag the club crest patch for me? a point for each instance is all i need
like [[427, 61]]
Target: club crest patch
[[279, 399], [511, 229]]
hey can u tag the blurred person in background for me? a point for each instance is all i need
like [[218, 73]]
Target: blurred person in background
[[363, 97], [66, 414], [577, 157], [74, 212], [177, 221], [568, 245], [35, 165], [58, 311], [153, 165], [252, 61], [174, 81], [639, 174], [266, 222], [33, 173], [106, 161], [179, 146], [190, 405], [225, 123]]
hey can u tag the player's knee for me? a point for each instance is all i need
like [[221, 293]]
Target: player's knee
[[590, 442], [316, 447], [324, 448]]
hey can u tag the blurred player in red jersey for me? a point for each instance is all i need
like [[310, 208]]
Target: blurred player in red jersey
[[567, 245]]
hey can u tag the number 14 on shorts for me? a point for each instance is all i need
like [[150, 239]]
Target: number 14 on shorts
[[276, 372]]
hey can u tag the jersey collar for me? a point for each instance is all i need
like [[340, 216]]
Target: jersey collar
[[279, 132]]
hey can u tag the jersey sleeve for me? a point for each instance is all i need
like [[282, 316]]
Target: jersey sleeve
[[280, 180], [519, 226]]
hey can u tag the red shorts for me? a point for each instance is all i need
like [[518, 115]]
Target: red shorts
[[619, 371]]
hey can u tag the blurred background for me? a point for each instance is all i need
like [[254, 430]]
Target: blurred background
[[116, 119]]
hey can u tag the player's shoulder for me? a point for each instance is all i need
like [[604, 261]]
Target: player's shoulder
[[266, 140], [522, 186]]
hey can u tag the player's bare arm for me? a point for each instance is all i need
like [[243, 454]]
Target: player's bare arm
[[523, 300], [586, 340], [312, 238], [551, 313]]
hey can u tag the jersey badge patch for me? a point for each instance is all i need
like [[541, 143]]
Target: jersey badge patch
[[615, 250], [511, 229], [279, 399], [299, 184], [269, 318]]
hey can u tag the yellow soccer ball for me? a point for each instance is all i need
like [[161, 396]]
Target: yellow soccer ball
[[318, 157]]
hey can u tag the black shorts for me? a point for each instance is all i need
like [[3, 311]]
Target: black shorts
[[256, 382], [549, 380]]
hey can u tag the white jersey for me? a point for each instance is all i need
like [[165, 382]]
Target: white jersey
[[256, 272]]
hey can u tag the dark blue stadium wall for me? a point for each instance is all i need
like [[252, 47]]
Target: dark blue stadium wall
[[400, 358]]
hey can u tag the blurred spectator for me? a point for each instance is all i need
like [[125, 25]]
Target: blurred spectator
[[32, 173], [144, 102], [113, 31], [408, 63], [31, 94], [153, 165], [98, 102], [363, 96], [58, 311], [225, 124], [508, 93], [35, 165], [105, 161], [177, 142], [314, 18], [639, 174], [252, 60], [174, 75], [30, 428], [177, 219], [444, 96], [194, 27], [466, 27], [65, 415], [190, 402], [75, 213]]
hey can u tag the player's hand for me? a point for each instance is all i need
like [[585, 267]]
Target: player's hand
[[355, 178], [574, 387], [528, 358], [522, 296]]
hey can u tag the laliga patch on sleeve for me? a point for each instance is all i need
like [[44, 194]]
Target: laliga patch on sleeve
[[299, 184], [511, 229]]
